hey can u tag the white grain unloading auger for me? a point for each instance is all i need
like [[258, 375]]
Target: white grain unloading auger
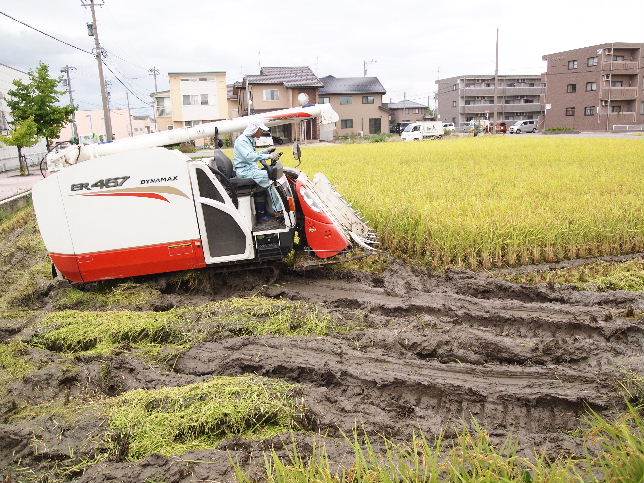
[[131, 207]]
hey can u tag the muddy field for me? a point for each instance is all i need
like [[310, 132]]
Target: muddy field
[[421, 352]]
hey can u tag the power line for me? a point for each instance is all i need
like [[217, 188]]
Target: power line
[[123, 83], [13, 68], [45, 33]]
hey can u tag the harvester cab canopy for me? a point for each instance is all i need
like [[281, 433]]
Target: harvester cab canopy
[[131, 207]]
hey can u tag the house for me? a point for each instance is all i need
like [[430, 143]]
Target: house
[[406, 111], [278, 88], [193, 98], [233, 101], [358, 102], [596, 88], [467, 98]]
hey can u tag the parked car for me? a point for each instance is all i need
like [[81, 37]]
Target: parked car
[[399, 127], [448, 127], [518, 127], [418, 131]]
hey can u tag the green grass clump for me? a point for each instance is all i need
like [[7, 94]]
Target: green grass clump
[[128, 295], [73, 331], [265, 316], [25, 268], [494, 201], [615, 453], [593, 276], [13, 363], [176, 420], [160, 334]]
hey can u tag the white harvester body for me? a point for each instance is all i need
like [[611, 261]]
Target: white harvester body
[[133, 208]]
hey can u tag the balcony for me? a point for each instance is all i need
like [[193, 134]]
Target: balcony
[[521, 107], [521, 91], [620, 65], [503, 91], [477, 108], [619, 93], [478, 91], [489, 108]]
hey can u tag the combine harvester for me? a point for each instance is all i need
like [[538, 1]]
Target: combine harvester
[[131, 207]]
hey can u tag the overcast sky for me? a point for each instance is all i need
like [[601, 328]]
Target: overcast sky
[[409, 40]]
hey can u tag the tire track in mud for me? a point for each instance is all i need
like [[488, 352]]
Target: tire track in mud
[[435, 352]]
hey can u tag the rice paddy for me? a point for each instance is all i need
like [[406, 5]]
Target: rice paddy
[[497, 201]]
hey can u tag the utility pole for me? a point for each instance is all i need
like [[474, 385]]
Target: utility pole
[[129, 114], [496, 79], [155, 72], [364, 66], [65, 70], [93, 32]]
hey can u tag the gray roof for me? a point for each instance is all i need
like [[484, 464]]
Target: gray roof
[[301, 76], [351, 85], [405, 105]]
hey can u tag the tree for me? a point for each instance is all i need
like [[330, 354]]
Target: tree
[[38, 100], [24, 135]]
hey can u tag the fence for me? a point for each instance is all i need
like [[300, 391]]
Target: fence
[[628, 127], [9, 157]]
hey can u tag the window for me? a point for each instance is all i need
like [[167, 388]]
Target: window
[[375, 125], [590, 111], [202, 79], [617, 83], [416, 111], [344, 100], [204, 99], [325, 100], [271, 95], [453, 103], [190, 100], [570, 111], [170, 128], [346, 124], [454, 87], [572, 64], [187, 123], [591, 86], [642, 108], [591, 61], [616, 109], [571, 88], [531, 84], [368, 99], [618, 58]]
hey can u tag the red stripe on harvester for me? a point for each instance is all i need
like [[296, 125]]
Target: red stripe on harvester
[[154, 196], [131, 262]]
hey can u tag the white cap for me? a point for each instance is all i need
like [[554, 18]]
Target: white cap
[[254, 125]]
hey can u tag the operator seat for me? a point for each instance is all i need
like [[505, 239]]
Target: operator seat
[[242, 186]]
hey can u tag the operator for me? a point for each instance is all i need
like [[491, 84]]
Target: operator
[[245, 161]]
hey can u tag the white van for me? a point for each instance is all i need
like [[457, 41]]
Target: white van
[[449, 127], [523, 126], [418, 131]]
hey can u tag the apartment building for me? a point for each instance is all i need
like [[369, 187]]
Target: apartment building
[[193, 98], [596, 88], [466, 98], [358, 102], [278, 88]]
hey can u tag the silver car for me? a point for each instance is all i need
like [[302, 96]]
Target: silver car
[[523, 126]]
